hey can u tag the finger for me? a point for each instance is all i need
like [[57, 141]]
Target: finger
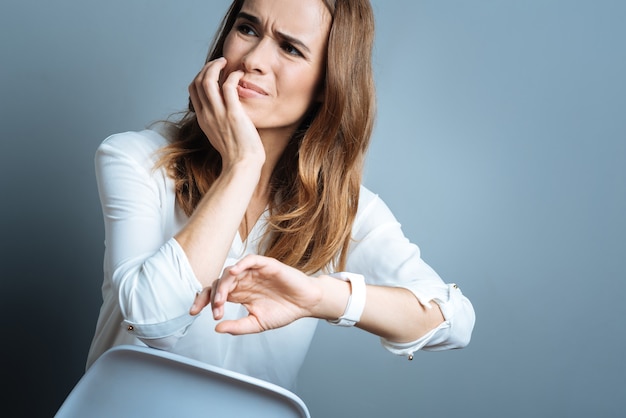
[[196, 92], [214, 68], [222, 290], [216, 303], [206, 84], [246, 325], [229, 89], [209, 84], [202, 299], [196, 103], [251, 262]]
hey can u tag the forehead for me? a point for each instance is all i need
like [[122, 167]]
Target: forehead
[[308, 20]]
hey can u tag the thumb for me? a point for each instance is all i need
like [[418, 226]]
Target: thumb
[[246, 325]]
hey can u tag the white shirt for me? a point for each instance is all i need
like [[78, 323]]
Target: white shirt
[[149, 285]]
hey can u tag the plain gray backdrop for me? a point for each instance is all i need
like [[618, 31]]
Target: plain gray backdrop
[[500, 145]]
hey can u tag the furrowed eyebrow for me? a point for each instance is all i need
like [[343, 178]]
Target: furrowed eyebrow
[[249, 17], [288, 38]]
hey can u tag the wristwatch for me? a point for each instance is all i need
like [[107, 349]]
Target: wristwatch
[[356, 302]]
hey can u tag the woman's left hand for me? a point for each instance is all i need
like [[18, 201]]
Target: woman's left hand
[[274, 294]]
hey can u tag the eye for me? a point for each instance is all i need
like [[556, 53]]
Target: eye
[[246, 29], [291, 50]]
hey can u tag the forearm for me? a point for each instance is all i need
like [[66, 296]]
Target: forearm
[[391, 313], [209, 233], [395, 314]]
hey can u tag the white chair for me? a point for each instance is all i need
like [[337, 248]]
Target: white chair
[[133, 381]]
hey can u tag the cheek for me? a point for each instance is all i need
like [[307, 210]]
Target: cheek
[[309, 88], [230, 48], [299, 98]]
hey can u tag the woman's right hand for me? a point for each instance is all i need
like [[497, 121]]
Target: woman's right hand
[[222, 117]]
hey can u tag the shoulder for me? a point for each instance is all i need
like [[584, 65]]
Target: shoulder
[[366, 197], [372, 209], [138, 146]]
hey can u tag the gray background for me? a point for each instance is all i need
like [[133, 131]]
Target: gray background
[[500, 145]]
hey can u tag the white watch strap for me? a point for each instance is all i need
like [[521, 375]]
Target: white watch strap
[[356, 302]]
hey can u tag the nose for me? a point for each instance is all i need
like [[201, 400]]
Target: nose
[[257, 59]]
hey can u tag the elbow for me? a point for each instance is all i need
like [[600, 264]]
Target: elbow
[[456, 331], [461, 326]]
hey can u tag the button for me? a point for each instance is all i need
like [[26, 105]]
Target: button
[[130, 328], [410, 357], [455, 286]]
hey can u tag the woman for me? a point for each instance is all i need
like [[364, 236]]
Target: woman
[[251, 206]]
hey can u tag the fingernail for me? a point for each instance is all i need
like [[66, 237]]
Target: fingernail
[[218, 297], [216, 312]]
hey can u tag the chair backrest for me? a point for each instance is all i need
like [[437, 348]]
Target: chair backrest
[[133, 381]]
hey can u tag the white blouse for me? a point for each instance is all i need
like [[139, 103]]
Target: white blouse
[[149, 285]]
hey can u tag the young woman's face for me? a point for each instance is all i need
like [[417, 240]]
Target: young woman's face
[[280, 45]]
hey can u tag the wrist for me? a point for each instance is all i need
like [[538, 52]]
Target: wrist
[[334, 296], [244, 165], [356, 302]]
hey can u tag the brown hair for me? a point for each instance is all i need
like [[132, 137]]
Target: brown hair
[[315, 185]]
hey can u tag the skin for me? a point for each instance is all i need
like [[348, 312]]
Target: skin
[[248, 103]]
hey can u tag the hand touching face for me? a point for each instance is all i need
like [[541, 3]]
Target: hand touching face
[[280, 46]]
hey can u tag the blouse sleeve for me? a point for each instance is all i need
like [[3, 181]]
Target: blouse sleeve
[[382, 254], [149, 271]]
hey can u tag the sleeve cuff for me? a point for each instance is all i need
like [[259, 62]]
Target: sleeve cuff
[[162, 335], [407, 349], [454, 332]]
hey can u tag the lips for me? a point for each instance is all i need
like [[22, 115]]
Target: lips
[[246, 85]]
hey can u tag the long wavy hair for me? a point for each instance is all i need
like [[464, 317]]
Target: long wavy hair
[[314, 189]]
